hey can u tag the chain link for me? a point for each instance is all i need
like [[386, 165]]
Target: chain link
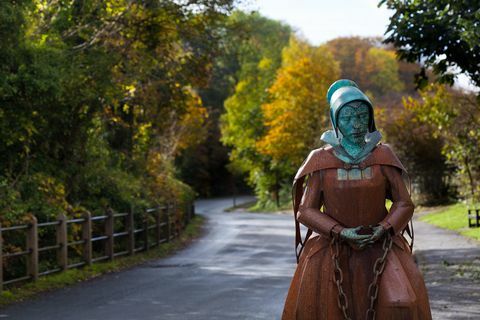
[[378, 268], [338, 274]]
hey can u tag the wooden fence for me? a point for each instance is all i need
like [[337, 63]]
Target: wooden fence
[[140, 231]]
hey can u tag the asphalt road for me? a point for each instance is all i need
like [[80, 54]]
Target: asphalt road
[[450, 265], [240, 269]]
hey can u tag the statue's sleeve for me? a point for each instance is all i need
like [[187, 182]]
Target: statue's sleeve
[[309, 213], [402, 206]]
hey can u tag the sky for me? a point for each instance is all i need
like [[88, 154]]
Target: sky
[[321, 20]]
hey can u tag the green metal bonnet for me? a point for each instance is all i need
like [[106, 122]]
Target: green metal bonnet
[[342, 92]]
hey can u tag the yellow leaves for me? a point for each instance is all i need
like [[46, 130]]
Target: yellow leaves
[[130, 90], [374, 68], [241, 85], [382, 68], [41, 5], [297, 113], [265, 64], [52, 190], [141, 137], [192, 129], [116, 7], [296, 49]]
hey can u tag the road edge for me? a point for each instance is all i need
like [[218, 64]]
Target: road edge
[[193, 230]]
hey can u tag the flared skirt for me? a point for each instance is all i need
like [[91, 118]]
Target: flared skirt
[[313, 293]]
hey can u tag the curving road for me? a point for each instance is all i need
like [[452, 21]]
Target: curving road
[[240, 269]]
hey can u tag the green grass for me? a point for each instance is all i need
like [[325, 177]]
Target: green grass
[[241, 206], [257, 207], [453, 217], [270, 206], [69, 277]]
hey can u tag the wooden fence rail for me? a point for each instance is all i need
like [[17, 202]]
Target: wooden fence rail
[[141, 231]]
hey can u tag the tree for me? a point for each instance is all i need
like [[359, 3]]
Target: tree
[[381, 72], [351, 52], [421, 151], [246, 38], [97, 99], [93, 93], [442, 34], [373, 67], [259, 57], [455, 117], [297, 112]]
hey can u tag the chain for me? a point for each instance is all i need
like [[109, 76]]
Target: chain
[[378, 268], [338, 274]]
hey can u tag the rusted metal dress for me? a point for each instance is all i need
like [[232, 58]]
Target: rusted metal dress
[[338, 195]]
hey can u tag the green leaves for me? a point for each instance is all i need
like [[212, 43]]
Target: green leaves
[[454, 116], [93, 93], [441, 34]]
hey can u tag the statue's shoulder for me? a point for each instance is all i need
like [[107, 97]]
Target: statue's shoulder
[[383, 154], [384, 150], [318, 159], [322, 152]]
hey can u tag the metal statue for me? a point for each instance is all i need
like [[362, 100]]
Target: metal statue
[[354, 261]]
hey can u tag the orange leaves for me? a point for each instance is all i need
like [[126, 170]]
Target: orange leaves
[[297, 113], [372, 66], [192, 124]]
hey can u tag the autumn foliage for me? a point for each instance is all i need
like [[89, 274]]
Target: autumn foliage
[[297, 110], [293, 111]]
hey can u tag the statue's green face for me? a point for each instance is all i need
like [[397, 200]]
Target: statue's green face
[[353, 122]]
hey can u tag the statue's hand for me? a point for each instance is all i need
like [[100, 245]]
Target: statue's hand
[[354, 239], [378, 232]]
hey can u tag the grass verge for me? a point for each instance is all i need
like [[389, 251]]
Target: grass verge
[[270, 206], [453, 217], [72, 276], [242, 206], [256, 207]]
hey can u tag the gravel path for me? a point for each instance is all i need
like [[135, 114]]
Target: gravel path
[[451, 266]]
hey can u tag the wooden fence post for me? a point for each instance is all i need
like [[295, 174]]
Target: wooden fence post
[[1, 259], [87, 238], [167, 215], [130, 224], [62, 241], [32, 246], [158, 229], [174, 219], [109, 230], [145, 228], [186, 207]]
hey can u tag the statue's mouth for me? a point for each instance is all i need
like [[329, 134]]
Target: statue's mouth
[[358, 134]]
